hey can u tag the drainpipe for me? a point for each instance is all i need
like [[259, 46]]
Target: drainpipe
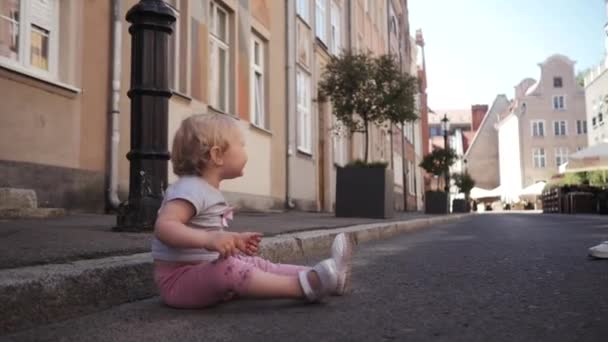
[[112, 195], [290, 45]]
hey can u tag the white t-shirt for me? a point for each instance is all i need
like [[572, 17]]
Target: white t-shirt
[[211, 213]]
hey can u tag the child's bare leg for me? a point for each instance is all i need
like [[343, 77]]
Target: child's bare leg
[[267, 285], [267, 266]]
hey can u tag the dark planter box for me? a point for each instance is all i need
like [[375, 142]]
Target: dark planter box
[[581, 203], [436, 202], [602, 203], [460, 206], [364, 192]]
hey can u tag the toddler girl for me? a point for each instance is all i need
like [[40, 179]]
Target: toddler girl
[[197, 263]]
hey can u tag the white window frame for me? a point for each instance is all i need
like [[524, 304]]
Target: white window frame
[[335, 44], [581, 127], [258, 101], [339, 143], [303, 9], [556, 102], [539, 158], [304, 111], [215, 45], [321, 20], [560, 128], [176, 40], [23, 64], [411, 172], [537, 124], [561, 155]]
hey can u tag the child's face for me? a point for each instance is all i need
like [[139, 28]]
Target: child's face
[[235, 156]]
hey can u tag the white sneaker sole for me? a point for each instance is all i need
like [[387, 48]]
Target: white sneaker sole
[[344, 263], [598, 254]]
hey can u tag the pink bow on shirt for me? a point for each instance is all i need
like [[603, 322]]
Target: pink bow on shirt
[[228, 214]]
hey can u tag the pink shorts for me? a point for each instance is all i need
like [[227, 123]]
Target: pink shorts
[[209, 283]]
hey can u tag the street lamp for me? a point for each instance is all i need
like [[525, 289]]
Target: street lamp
[[445, 126]]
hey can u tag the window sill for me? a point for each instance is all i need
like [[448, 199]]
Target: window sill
[[304, 153], [182, 96], [260, 129], [219, 111], [322, 44], [304, 21], [20, 72]]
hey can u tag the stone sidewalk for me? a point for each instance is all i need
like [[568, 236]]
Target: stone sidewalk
[[64, 239]]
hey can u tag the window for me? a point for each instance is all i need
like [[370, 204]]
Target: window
[[339, 134], [559, 128], [561, 155], [559, 102], [539, 157], [435, 131], [557, 82], [411, 173], [219, 57], [408, 132], [258, 93], [303, 110], [594, 121], [320, 20], [538, 128], [581, 127], [335, 44], [29, 35], [303, 9], [178, 50], [600, 118]]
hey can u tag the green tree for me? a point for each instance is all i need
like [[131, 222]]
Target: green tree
[[397, 91], [438, 162], [465, 183], [365, 90]]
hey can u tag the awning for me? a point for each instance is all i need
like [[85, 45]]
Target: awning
[[590, 159], [479, 193], [533, 190]]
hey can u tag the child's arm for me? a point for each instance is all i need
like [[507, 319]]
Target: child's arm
[[170, 228]]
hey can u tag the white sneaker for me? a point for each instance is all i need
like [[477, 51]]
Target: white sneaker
[[600, 251], [328, 276], [342, 254]]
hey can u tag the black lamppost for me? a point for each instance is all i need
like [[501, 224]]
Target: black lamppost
[[445, 126], [151, 26]]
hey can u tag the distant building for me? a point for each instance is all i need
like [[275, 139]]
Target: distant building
[[545, 124], [482, 155]]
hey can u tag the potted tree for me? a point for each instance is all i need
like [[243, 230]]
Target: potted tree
[[465, 183], [437, 163], [365, 91]]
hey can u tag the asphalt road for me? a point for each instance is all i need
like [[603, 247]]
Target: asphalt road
[[485, 278]]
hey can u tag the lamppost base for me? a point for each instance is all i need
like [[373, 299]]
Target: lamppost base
[[137, 216]]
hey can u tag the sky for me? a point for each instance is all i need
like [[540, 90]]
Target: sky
[[476, 49]]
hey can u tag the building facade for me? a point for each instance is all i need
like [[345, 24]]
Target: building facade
[[546, 123], [596, 97], [54, 71], [482, 154], [257, 60]]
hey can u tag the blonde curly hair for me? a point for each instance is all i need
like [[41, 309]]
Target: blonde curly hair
[[195, 138]]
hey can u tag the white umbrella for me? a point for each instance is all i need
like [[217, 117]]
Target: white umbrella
[[590, 159], [533, 190], [478, 193]]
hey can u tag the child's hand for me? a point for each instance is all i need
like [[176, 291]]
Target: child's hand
[[224, 243], [248, 243]]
